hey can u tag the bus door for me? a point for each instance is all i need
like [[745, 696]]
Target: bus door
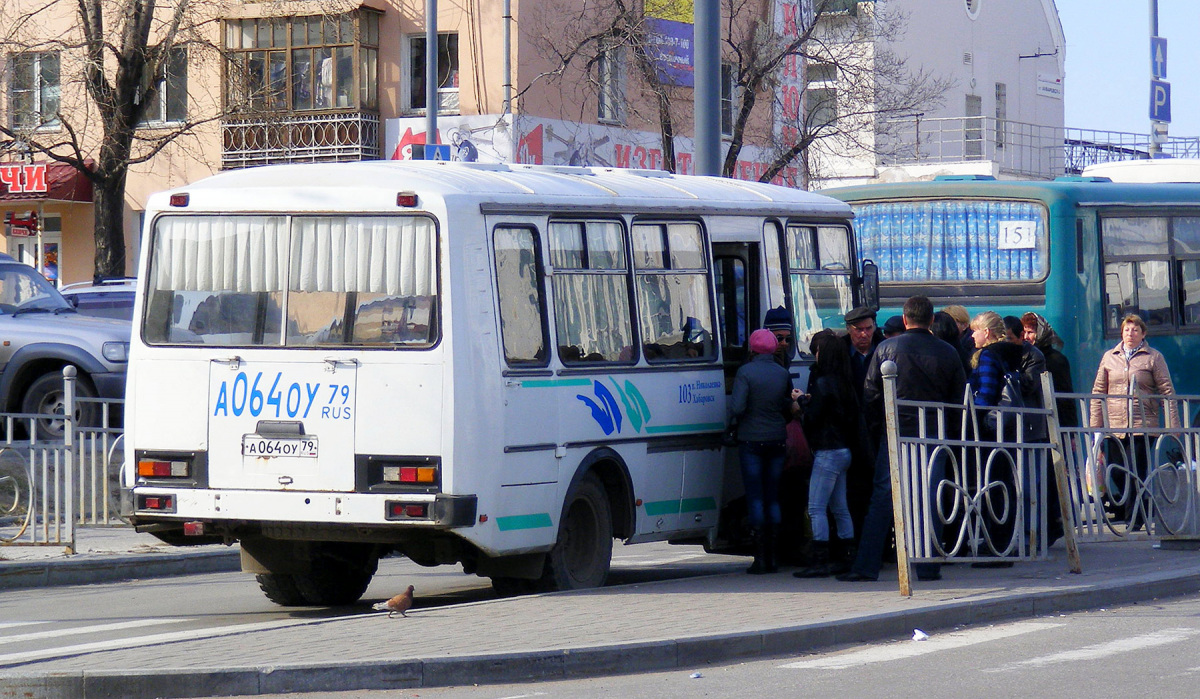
[[738, 304], [277, 425]]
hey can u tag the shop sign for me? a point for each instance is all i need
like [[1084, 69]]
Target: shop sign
[[20, 178]]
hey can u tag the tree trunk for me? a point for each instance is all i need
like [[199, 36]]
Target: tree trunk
[[109, 195]]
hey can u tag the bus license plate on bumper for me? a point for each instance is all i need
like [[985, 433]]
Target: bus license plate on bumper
[[254, 445]]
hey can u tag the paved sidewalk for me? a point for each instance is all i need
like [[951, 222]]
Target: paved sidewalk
[[673, 624]]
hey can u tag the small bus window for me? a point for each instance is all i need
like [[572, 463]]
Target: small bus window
[[820, 297], [591, 297], [518, 275], [672, 292]]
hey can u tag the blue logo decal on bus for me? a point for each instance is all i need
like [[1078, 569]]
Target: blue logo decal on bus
[[608, 414]]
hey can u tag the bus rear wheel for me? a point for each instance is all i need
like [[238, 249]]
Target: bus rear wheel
[[582, 555], [280, 589], [338, 574]]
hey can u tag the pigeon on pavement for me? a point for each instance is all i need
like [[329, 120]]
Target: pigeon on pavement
[[400, 603]]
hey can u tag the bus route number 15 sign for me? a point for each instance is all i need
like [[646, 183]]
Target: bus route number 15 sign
[[1018, 235]]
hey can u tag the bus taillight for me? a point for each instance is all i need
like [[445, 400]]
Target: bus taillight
[[406, 510]]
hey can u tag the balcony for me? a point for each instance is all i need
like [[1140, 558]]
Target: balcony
[[1019, 149], [299, 138]]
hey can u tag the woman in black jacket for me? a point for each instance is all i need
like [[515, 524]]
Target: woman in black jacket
[[831, 422]]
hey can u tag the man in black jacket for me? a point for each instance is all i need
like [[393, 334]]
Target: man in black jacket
[[929, 370]]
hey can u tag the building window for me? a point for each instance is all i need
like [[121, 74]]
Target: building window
[[608, 74], [728, 92], [973, 128], [447, 78], [34, 90], [169, 104], [1001, 112], [303, 63], [820, 95]]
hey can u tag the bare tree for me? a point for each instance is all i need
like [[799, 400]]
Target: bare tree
[[112, 63], [772, 106]]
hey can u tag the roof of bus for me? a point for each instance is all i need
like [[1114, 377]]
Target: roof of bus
[[1063, 191], [373, 186]]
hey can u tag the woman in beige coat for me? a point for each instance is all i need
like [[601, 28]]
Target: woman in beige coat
[[1132, 368]]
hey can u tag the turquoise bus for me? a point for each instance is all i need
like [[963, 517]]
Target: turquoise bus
[[1082, 251]]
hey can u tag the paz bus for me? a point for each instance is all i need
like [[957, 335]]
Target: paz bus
[[1081, 251], [500, 366]]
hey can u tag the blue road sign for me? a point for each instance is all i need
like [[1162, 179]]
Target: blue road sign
[[430, 152], [1158, 57], [1160, 101]]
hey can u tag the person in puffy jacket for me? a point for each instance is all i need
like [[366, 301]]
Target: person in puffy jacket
[[763, 403], [1131, 369]]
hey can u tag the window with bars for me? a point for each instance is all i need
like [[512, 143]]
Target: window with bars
[[296, 64], [34, 89]]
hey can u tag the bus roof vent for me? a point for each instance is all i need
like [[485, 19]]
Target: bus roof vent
[[963, 178], [1081, 178]]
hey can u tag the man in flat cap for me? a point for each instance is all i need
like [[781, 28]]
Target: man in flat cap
[[863, 337]]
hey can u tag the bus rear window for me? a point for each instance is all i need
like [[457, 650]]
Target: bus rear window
[[293, 281], [954, 240]]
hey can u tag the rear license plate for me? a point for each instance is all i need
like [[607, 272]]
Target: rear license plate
[[256, 446]]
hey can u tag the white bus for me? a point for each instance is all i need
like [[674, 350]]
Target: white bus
[[500, 366]]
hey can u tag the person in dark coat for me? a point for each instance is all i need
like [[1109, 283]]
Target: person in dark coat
[[929, 370], [762, 402], [1041, 335], [861, 338], [966, 343]]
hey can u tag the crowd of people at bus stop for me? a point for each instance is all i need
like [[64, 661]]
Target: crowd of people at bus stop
[[815, 462]]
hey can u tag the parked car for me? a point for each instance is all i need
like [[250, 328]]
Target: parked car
[[107, 298], [41, 334]]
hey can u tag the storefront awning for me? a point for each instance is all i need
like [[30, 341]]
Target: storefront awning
[[43, 182]]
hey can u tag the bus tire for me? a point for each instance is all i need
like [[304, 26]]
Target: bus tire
[[280, 589], [338, 574], [582, 554]]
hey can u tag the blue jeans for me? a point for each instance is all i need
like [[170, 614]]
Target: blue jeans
[[877, 525], [827, 489], [762, 467]]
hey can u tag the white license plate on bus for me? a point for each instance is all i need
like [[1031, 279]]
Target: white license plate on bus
[[270, 447]]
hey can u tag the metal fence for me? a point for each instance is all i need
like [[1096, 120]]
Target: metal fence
[[967, 491], [48, 487], [1019, 149]]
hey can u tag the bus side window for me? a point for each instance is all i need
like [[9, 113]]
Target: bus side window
[[591, 292], [672, 292], [522, 306]]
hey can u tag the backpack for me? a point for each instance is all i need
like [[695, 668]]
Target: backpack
[[1011, 397]]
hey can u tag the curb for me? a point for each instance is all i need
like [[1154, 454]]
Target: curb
[[113, 568], [574, 663]]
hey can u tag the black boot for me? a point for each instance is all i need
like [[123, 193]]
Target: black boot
[[759, 566], [841, 563], [770, 555], [820, 567]]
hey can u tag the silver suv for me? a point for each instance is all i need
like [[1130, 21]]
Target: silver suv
[[40, 333]]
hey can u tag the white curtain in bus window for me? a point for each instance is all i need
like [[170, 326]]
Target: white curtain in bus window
[[672, 292], [591, 297], [819, 271], [1140, 285], [362, 280], [954, 241], [217, 280], [520, 291]]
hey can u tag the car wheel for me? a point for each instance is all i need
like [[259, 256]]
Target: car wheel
[[46, 396]]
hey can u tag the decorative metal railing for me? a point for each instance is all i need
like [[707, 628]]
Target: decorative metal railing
[[299, 138]]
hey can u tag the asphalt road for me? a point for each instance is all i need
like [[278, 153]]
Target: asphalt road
[[47, 623], [1141, 650]]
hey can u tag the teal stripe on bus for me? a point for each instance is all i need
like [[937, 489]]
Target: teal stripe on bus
[[515, 522], [697, 427], [554, 383], [674, 507]]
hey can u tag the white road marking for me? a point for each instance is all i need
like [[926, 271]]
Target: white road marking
[[1102, 650], [634, 560], [11, 624], [911, 649], [76, 630], [153, 639]]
